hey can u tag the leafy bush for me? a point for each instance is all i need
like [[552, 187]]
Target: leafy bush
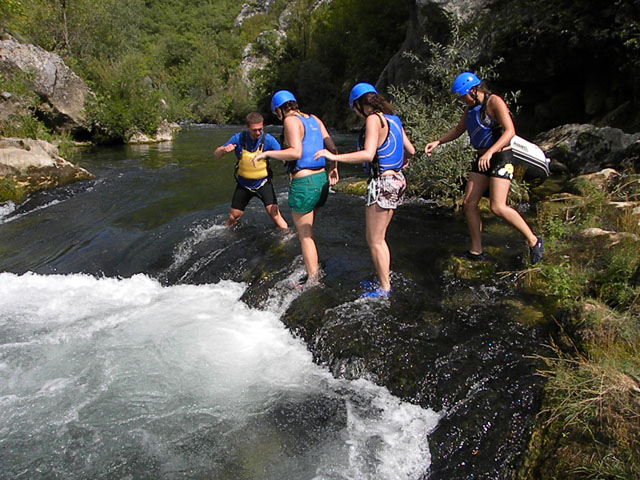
[[427, 112], [126, 100]]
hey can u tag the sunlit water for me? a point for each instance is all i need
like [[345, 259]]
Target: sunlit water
[[112, 374]]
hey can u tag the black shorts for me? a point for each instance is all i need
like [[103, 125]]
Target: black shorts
[[501, 165], [243, 195]]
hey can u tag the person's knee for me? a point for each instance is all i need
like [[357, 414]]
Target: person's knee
[[499, 210], [469, 204]]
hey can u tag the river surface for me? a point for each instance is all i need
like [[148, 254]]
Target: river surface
[[139, 338]]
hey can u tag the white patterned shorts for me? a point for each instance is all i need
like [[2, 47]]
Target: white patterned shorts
[[387, 191]]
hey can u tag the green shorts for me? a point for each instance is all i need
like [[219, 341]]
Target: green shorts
[[307, 193]]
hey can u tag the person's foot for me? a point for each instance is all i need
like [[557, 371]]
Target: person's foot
[[377, 293], [369, 285], [476, 257], [536, 252]]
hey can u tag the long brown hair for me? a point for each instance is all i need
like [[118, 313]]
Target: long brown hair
[[375, 101]]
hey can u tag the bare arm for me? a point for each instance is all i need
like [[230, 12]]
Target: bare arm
[[293, 133], [367, 154], [452, 134], [223, 149], [497, 110], [334, 176]]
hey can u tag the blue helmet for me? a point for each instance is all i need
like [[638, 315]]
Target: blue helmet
[[280, 98], [358, 90], [463, 83]]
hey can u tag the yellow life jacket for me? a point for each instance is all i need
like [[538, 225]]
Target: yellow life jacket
[[245, 168]]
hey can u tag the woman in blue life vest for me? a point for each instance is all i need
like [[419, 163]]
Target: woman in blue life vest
[[487, 120], [385, 150], [304, 135]]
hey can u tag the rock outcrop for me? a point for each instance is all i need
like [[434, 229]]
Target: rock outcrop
[[582, 149], [426, 17], [251, 9], [62, 93], [28, 166], [163, 134]]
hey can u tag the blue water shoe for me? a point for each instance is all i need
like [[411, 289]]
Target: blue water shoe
[[377, 293]]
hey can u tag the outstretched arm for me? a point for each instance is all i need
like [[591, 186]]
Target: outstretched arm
[[293, 133], [367, 154], [452, 134]]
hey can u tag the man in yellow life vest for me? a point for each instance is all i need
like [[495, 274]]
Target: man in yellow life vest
[[252, 180]]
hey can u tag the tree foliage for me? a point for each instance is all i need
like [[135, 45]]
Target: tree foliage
[[330, 47], [428, 111]]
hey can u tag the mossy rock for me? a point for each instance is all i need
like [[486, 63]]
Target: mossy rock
[[11, 190], [463, 269], [351, 186], [524, 314], [17, 188]]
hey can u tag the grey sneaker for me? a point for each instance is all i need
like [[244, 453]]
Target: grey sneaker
[[536, 252]]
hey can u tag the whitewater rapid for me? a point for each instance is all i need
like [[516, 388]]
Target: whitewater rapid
[[126, 377]]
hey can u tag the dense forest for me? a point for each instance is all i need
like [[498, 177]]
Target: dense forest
[[181, 60]]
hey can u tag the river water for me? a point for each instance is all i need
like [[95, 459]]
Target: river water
[[139, 338]]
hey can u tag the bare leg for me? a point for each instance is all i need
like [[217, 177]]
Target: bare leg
[[476, 186], [234, 216], [276, 217], [498, 192], [377, 221], [304, 227]]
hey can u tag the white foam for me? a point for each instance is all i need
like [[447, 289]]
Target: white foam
[[6, 208], [125, 359], [5, 212]]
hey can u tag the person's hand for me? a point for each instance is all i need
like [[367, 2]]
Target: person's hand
[[484, 162], [229, 148], [430, 147], [257, 158], [334, 176], [324, 153]]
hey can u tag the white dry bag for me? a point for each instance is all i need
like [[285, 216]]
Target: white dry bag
[[531, 156]]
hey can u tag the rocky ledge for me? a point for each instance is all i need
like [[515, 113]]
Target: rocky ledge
[[28, 166]]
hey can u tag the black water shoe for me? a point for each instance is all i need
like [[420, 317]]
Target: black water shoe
[[476, 257], [536, 252]]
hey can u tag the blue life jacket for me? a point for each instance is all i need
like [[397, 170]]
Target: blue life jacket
[[311, 143], [389, 155], [483, 131]]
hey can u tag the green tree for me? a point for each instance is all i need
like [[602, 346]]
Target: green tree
[[428, 111]]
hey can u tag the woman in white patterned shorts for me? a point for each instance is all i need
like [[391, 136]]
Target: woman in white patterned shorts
[[385, 150]]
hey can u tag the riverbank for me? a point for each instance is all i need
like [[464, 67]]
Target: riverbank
[[589, 424]]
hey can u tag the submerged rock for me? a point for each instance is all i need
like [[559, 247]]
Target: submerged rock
[[28, 166]]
